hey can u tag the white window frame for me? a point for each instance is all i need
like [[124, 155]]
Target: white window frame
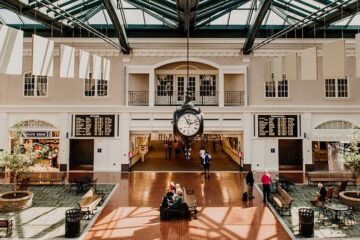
[[337, 89], [277, 90], [35, 86], [96, 88]]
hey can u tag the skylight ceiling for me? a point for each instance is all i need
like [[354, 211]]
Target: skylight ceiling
[[169, 18], [282, 12]]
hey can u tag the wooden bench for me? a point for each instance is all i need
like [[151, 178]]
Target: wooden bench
[[281, 200], [89, 202], [190, 200], [50, 178], [4, 223], [330, 178]]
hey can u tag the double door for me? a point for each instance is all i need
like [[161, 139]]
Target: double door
[[180, 85]]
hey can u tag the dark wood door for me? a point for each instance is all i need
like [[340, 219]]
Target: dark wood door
[[290, 154], [81, 154]]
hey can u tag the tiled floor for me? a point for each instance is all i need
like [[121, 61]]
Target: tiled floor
[[132, 212], [155, 160], [302, 194], [45, 219]]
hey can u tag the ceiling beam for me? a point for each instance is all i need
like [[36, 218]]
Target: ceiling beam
[[335, 16], [77, 11], [182, 10], [34, 14], [119, 27], [225, 7], [255, 25], [155, 8]]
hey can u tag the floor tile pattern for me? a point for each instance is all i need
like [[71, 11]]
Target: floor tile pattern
[[133, 210], [302, 194], [46, 218]]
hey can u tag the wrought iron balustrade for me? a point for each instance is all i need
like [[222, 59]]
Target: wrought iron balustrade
[[176, 98], [138, 98], [234, 98]]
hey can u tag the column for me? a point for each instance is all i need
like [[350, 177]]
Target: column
[[247, 118], [124, 141], [126, 93], [152, 88], [4, 132], [65, 128], [306, 130], [221, 88]]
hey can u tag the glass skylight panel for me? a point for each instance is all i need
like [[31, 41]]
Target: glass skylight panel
[[126, 4], [221, 20], [10, 17], [356, 20], [246, 5], [134, 16], [151, 20], [239, 17], [98, 19], [274, 19]]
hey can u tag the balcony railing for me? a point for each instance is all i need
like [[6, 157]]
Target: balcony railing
[[234, 98], [138, 98], [175, 98]]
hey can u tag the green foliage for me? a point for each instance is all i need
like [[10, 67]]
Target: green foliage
[[351, 157], [20, 159]]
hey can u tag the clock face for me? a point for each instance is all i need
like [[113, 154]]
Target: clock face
[[188, 124]]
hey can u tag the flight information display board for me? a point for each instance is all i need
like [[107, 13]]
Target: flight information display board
[[94, 125], [277, 125]]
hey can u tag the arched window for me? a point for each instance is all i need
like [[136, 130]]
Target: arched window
[[35, 125], [35, 86], [337, 124]]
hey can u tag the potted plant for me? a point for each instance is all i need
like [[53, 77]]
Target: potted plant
[[351, 159], [20, 158]]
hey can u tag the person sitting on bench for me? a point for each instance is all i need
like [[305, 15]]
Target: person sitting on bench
[[321, 196], [170, 191], [178, 200]]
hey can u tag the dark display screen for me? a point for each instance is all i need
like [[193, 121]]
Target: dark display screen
[[277, 126], [94, 125]]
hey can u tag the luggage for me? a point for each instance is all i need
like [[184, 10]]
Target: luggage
[[245, 196]]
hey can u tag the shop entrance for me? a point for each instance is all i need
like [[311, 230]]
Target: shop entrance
[[290, 154], [327, 155], [81, 154], [163, 152]]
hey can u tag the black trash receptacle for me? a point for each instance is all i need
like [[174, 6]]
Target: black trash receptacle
[[306, 222], [72, 223]]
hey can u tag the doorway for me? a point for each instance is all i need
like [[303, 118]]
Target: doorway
[[181, 84], [290, 154], [81, 154]]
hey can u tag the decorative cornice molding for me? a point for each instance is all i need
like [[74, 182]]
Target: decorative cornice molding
[[182, 52]]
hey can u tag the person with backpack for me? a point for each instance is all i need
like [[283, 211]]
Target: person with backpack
[[250, 184], [206, 164]]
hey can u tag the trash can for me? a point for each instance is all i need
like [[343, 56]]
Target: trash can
[[306, 222], [72, 223]]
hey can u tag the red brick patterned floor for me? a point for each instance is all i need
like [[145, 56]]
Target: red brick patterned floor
[[132, 212]]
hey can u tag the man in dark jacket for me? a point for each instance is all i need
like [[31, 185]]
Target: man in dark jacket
[[250, 183]]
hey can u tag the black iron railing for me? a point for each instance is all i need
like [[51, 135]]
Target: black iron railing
[[234, 98], [174, 98], [138, 98]]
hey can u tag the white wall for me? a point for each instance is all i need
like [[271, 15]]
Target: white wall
[[262, 157], [108, 160]]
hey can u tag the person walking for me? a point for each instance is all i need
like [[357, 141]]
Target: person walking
[[250, 183], [266, 182], [206, 164]]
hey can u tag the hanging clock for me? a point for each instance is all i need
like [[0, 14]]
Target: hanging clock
[[187, 124]]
